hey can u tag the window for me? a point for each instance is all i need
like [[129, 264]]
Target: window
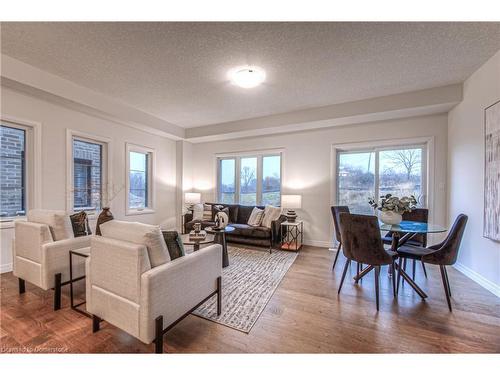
[[87, 175], [363, 174], [139, 179], [250, 180], [12, 171]]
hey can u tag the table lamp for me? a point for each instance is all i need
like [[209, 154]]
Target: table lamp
[[291, 202]]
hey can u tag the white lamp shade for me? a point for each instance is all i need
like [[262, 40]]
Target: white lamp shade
[[291, 201], [192, 198]]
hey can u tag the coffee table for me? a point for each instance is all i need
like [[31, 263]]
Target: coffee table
[[220, 238], [196, 242]]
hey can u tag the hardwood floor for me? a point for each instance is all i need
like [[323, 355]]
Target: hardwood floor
[[305, 315]]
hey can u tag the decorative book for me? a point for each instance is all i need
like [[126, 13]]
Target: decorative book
[[201, 235]]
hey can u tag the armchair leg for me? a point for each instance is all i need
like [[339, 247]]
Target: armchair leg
[[219, 295], [57, 291], [347, 263], [95, 323], [22, 286], [159, 335], [336, 255]]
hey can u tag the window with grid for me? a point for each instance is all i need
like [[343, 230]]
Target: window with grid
[[87, 175]]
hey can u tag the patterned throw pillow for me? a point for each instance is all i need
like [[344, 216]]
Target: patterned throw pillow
[[174, 244], [80, 224], [207, 212], [271, 213], [220, 209], [255, 218]]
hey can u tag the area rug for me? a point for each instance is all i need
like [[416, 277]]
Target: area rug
[[247, 286]]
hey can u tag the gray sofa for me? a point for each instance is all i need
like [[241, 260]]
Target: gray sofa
[[243, 233]]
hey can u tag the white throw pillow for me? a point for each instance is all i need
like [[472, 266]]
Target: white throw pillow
[[271, 213], [198, 211], [255, 218], [58, 222], [142, 234]]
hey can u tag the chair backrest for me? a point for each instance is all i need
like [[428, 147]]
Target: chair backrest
[[447, 251], [417, 214], [58, 222], [336, 210], [361, 239]]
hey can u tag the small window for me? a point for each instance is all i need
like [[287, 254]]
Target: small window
[[87, 175], [139, 179]]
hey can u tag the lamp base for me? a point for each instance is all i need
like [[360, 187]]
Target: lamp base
[[291, 216]]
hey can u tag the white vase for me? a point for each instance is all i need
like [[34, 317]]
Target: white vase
[[390, 217]]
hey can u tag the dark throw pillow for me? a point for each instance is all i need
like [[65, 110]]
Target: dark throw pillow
[[80, 224], [217, 209], [174, 244]]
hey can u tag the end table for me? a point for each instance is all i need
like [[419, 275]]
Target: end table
[[292, 235]]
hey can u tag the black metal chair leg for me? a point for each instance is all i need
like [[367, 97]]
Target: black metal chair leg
[[159, 335], [57, 291], [414, 269], [445, 285], [399, 274], [358, 266], [95, 323], [393, 268], [423, 267], [22, 286], [377, 272], [336, 256], [447, 280], [404, 269], [219, 295], [347, 263]]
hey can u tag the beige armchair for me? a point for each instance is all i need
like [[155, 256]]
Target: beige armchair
[[146, 298], [41, 249]]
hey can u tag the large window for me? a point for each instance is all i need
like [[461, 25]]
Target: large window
[[250, 180], [12, 171], [87, 174], [362, 174], [139, 179]]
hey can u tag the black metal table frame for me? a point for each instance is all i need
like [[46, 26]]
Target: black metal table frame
[[71, 281], [220, 238], [294, 236]]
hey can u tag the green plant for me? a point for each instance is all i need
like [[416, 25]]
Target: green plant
[[394, 204]]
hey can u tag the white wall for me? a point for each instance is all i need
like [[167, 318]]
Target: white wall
[[307, 164], [55, 119], [479, 257]]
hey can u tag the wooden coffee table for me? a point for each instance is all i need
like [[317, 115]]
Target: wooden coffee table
[[220, 238], [196, 242]]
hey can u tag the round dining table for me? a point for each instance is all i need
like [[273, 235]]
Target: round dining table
[[401, 233]]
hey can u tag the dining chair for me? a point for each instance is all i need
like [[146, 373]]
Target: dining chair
[[442, 254], [417, 214], [362, 243]]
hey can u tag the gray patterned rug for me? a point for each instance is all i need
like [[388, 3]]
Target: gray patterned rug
[[247, 285]]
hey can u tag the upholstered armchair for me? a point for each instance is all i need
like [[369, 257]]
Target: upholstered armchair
[[133, 285], [41, 249]]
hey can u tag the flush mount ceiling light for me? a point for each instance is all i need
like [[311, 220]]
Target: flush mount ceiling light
[[247, 77]]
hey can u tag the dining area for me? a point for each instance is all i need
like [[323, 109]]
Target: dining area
[[397, 242]]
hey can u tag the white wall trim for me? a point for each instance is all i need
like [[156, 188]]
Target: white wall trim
[[474, 276], [6, 268], [325, 244]]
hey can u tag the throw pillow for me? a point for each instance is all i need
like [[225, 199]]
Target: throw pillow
[[271, 213], [218, 209], [58, 222], [207, 212], [174, 244], [255, 218], [80, 223], [198, 211]]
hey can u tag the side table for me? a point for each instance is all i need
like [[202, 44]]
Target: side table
[[220, 238], [292, 235], [84, 253]]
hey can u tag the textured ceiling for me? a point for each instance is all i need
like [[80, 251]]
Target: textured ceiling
[[177, 71]]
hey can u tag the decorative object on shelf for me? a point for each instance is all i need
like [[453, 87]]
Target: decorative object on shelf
[[291, 203], [103, 217], [190, 199], [197, 227], [392, 208], [221, 220], [491, 222]]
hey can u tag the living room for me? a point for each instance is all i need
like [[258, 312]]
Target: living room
[[229, 187]]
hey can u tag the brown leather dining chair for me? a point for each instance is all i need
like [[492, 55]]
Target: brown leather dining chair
[[442, 254], [362, 243], [420, 240]]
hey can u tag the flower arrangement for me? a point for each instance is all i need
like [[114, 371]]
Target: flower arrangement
[[394, 204]]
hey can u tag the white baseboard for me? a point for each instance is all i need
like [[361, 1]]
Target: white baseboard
[[318, 243], [473, 275], [5, 267]]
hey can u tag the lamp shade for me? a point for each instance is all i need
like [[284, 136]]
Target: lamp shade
[[192, 198], [291, 201]]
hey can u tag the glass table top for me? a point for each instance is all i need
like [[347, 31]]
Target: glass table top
[[413, 227]]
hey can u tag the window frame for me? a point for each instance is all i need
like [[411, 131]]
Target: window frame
[[106, 148], [33, 165], [151, 178], [237, 175]]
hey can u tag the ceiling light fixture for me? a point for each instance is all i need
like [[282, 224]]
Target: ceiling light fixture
[[247, 77]]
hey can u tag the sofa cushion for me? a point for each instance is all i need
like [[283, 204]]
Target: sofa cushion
[[233, 211], [271, 213], [80, 223], [58, 222], [174, 244], [256, 217], [142, 234], [249, 231]]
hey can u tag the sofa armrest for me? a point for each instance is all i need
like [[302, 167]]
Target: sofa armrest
[[276, 229], [174, 288]]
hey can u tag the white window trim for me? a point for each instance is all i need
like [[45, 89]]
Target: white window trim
[[150, 209], [429, 161], [106, 180], [259, 154], [33, 165]]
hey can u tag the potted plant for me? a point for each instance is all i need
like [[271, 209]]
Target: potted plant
[[392, 208]]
